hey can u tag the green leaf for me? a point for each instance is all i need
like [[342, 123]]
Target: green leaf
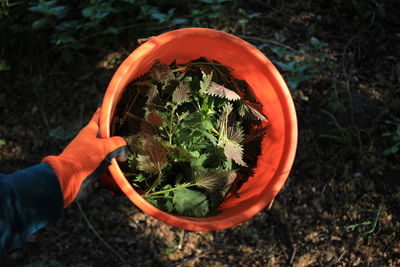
[[199, 160], [88, 12], [2, 142], [205, 82], [153, 202], [139, 178], [191, 203], [210, 137], [169, 205], [317, 43], [39, 23], [179, 153], [183, 116], [193, 119], [4, 66], [207, 125], [60, 38]]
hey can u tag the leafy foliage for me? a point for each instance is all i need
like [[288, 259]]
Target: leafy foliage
[[190, 141]]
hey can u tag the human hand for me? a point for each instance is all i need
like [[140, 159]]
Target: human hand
[[85, 158]]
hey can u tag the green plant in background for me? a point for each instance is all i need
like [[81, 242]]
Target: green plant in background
[[59, 133], [394, 136], [97, 24], [4, 66], [372, 223], [346, 135], [301, 66]]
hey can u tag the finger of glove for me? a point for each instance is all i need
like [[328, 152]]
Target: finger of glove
[[92, 127], [115, 147]]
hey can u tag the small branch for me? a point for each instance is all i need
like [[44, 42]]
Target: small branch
[[192, 258], [167, 190], [255, 38], [181, 238], [293, 255], [91, 227], [273, 8], [133, 116], [129, 108]]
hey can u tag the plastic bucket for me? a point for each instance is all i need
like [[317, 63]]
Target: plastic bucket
[[278, 146]]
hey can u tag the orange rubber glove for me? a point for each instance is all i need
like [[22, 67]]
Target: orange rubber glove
[[86, 156]]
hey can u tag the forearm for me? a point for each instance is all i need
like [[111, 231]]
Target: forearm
[[29, 199]]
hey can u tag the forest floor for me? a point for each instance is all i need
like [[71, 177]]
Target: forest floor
[[341, 203]]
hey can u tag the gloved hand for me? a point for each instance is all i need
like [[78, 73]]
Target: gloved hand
[[85, 157]]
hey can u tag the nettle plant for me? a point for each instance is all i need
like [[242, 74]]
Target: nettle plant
[[194, 134]]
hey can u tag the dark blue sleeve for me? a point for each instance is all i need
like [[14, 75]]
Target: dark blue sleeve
[[29, 199]]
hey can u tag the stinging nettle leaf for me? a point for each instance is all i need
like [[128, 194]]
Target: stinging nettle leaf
[[181, 93], [161, 72], [147, 128], [235, 133], [212, 179], [216, 89], [183, 116], [198, 161], [233, 151], [152, 157], [152, 93], [246, 110], [205, 82], [153, 118], [191, 203]]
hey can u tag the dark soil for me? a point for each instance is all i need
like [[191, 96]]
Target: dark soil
[[337, 190]]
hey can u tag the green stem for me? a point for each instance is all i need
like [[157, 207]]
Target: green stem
[[154, 185], [215, 131], [158, 197], [168, 190], [178, 69], [202, 63], [171, 128]]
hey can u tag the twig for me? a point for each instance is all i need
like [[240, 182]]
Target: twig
[[273, 8], [129, 108], [181, 238], [143, 40], [130, 115], [335, 262], [192, 258], [97, 234], [255, 38], [293, 255], [44, 117]]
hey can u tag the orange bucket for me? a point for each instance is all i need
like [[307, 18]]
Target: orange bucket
[[248, 63]]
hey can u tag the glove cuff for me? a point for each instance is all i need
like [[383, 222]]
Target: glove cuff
[[67, 175]]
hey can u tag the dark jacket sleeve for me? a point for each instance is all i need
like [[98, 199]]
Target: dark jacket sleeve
[[29, 199]]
